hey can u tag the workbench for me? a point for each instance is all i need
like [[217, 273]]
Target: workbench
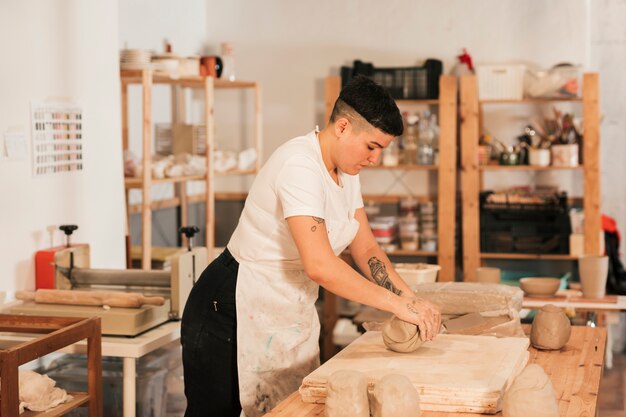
[[575, 372], [606, 310], [128, 348]]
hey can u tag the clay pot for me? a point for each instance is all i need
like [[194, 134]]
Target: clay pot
[[593, 272], [551, 328]]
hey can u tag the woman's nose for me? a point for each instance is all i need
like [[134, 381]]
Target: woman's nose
[[374, 155]]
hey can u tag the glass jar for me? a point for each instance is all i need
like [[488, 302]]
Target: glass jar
[[410, 140], [391, 154]]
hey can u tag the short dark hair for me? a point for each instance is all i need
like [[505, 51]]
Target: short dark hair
[[372, 102]]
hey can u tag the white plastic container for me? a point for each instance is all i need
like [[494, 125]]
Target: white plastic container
[[417, 273], [539, 157], [500, 82]]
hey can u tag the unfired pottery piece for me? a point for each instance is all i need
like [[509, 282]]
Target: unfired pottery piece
[[347, 395], [530, 394], [539, 286], [400, 336], [551, 328], [395, 396]]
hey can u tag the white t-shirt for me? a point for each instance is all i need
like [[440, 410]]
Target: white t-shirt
[[294, 182]]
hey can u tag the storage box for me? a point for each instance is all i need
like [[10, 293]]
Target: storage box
[[504, 82], [401, 82], [180, 138]]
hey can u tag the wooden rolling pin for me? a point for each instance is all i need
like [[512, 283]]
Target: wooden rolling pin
[[89, 298]]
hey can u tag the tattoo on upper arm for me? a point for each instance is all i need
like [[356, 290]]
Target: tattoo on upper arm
[[380, 275], [318, 220]]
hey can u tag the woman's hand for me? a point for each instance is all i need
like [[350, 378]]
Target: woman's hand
[[422, 313]]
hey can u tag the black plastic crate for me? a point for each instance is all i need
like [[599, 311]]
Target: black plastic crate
[[408, 83], [524, 228]]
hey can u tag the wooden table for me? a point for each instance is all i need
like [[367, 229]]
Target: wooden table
[[575, 372]]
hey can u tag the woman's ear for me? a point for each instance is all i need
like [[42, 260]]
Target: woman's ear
[[342, 125]]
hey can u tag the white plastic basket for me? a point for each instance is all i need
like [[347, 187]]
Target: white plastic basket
[[500, 82], [417, 273]]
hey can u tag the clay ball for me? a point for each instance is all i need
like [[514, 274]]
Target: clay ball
[[551, 328], [530, 394], [395, 396], [400, 336], [346, 395]]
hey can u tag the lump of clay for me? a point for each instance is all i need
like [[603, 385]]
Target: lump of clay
[[346, 395], [530, 394], [551, 328], [400, 336], [395, 396]]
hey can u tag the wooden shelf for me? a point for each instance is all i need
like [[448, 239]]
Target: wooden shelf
[[138, 182], [56, 333], [403, 167], [80, 398], [551, 257], [403, 102], [533, 100], [403, 252], [446, 170], [235, 172], [135, 77], [147, 79], [472, 109], [395, 198], [527, 168]]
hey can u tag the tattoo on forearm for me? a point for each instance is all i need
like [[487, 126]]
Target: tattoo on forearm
[[380, 275], [318, 220]]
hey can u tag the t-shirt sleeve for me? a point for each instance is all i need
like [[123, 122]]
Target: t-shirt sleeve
[[300, 188]]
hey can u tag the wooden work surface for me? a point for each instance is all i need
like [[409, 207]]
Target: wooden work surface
[[454, 373], [575, 372]]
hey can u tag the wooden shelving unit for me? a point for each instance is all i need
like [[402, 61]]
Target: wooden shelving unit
[[147, 79], [58, 333], [446, 169], [471, 171]]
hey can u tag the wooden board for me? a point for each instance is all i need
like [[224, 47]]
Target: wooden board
[[453, 373]]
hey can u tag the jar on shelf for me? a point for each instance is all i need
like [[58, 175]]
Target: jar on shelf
[[228, 61], [409, 140], [408, 206], [425, 145], [409, 232], [385, 230], [391, 154]]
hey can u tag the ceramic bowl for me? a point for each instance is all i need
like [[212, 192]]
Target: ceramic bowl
[[540, 287]]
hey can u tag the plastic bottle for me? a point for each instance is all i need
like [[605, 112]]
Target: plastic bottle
[[425, 152], [228, 61]]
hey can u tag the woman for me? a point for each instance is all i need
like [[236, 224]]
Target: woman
[[250, 329]]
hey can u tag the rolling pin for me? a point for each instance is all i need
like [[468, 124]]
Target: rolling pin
[[89, 298]]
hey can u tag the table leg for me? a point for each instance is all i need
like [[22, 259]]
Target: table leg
[[129, 393]]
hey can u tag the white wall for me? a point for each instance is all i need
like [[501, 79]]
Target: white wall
[[290, 46], [60, 48]]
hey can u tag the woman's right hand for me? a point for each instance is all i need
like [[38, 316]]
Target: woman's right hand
[[424, 314]]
